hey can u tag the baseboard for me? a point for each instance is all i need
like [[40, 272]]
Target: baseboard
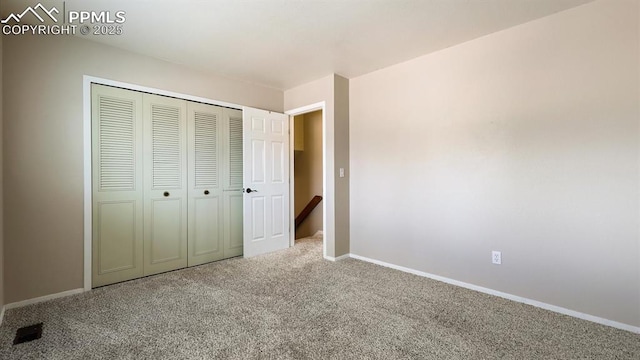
[[1, 315], [341, 257], [40, 299], [539, 304]]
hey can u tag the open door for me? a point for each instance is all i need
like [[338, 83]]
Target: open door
[[266, 181]]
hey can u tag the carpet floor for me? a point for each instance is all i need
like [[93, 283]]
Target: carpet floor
[[292, 304]]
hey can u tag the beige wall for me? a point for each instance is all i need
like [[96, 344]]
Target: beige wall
[[308, 174], [341, 154], [333, 90], [1, 185], [524, 141], [43, 119]]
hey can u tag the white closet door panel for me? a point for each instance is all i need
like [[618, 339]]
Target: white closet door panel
[[167, 150], [116, 236], [165, 228], [207, 222], [234, 135], [205, 144], [117, 211], [266, 180], [233, 242], [116, 139], [205, 183], [165, 184]]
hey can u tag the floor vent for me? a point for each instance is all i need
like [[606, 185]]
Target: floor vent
[[28, 333]]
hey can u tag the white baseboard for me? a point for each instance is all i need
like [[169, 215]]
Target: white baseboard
[[539, 304], [40, 299], [341, 257]]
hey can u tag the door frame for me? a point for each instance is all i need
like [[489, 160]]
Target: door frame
[[292, 217], [87, 80]]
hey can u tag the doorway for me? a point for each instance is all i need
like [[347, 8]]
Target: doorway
[[308, 174], [320, 109]]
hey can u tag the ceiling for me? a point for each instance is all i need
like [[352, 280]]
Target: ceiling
[[285, 43]]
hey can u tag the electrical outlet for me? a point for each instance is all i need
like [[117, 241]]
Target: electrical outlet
[[496, 257], [341, 172]]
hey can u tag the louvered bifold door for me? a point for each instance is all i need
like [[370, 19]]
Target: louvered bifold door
[[232, 184], [165, 183], [117, 196], [205, 185]]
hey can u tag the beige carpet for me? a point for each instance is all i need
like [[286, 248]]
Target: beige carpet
[[294, 305]]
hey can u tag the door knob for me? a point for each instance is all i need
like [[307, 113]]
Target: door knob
[[206, 192], [166, 194], [249, 191]]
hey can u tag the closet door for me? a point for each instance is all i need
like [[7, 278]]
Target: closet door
[[205, 185], [117, 185], [165, 184], [232, 190]]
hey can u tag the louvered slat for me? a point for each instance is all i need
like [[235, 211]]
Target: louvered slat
[[166, 146], [235, 152], [206, 149], [116, 144]]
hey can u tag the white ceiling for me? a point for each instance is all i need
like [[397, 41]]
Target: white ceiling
[[285, 43]]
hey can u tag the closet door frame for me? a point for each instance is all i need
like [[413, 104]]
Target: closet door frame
[[87, 151]]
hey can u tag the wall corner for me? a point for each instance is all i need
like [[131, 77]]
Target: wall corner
[[342, 168]]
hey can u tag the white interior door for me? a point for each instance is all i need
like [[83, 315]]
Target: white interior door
[[266, 181]]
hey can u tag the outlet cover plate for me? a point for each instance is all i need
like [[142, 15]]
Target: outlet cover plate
[[496, 257]]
